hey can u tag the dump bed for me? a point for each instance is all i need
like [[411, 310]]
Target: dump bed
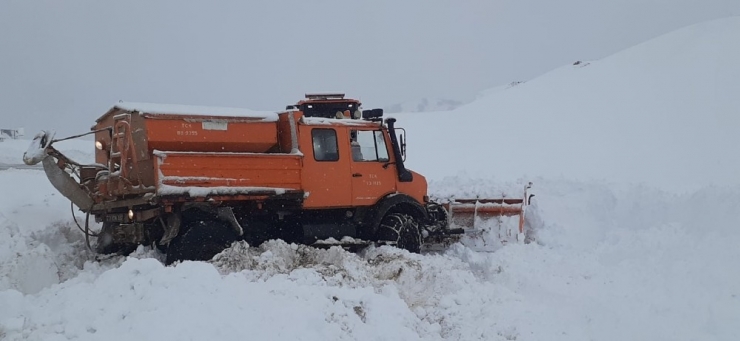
[[196, 151]]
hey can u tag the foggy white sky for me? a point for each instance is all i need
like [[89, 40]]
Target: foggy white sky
[[62, 64]]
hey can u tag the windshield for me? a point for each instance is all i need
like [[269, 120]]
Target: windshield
[[368, 145]]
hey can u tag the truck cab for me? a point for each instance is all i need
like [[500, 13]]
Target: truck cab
[[352, 158]]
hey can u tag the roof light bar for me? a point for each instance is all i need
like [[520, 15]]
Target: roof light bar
[[325, 96]]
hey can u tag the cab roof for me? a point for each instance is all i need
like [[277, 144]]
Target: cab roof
[[327, 98]]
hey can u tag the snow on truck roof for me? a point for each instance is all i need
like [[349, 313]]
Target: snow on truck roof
[[179, 109], [172, 109], [337, 121]]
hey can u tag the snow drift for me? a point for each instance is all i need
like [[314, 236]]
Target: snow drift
[[613, 264], [612, 261]]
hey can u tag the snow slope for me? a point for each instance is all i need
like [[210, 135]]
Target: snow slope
[[665, 112], [612, 261], [424, 105]]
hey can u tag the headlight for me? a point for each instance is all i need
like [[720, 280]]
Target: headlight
[[131, 214]]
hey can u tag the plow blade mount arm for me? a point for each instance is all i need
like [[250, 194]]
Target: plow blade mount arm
[[66, 184]]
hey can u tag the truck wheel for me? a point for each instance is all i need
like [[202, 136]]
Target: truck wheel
[[200, 242], [402, 229], [106, 243]]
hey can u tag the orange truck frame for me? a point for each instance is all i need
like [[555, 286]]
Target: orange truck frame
[[192, 179]]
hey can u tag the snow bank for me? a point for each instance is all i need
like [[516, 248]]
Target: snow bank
[[610, 263], [38, 246], [144, 300]]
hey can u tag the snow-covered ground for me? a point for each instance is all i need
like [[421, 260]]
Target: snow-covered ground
[[628, 247]]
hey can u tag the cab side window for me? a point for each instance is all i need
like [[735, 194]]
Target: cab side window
[[325, 146], [368, 145]]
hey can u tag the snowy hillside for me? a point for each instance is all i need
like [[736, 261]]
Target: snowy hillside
[[665, 112], [424, 105], [612, 261]]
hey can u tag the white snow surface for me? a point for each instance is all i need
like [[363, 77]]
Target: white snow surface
[[612, 260]]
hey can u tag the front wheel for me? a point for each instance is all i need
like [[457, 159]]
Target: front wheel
[[200, 242], [108, 243], [402, 229]]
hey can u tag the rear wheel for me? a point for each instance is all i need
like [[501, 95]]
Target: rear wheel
[[107, 243], [200, 242], [402, 229]]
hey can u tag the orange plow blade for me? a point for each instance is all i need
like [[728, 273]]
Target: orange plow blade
[[509, 214]]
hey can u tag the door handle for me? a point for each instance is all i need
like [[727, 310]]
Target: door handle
[[356, 175]]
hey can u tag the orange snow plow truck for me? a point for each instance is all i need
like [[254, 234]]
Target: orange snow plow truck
[[192, 180]]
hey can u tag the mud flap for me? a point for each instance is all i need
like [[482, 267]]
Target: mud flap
[[227, 214], [171, 226]]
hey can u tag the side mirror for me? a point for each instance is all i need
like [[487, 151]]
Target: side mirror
[[402, 142]]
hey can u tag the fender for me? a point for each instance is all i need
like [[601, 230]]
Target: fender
[[395, 200]]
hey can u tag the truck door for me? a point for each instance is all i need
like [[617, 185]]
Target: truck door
[[372, 177], [326, 168]]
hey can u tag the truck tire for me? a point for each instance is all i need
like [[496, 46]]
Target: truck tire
[[402, 229], [107, 245], [200, 241]]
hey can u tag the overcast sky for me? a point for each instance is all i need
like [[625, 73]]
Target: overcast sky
[[64, 63]]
